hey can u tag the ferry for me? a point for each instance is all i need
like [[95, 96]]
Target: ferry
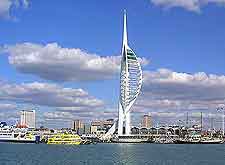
[[131, 139], [65, 138], [17, 136]]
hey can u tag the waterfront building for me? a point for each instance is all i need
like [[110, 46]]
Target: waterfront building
[[108, 122], [87, 129], [135, 130], [78, 126], [94, 129], [27, 118], [146, 121], [96, 123], [100, 126]]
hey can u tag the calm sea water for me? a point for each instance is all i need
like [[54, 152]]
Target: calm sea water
[[153, 154]]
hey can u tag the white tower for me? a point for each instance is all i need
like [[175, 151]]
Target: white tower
[[130, 82], [130, 86]]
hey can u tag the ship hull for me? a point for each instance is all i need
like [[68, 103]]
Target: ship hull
[[66, 139], [211, 142], [197, 142], [65, 143], [17, 141], [186, 142]]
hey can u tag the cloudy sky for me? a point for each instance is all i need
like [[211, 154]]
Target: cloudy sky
[[63, 59]]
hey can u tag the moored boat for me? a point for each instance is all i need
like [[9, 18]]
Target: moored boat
[[211, 141], [65, 138], [17, 136]]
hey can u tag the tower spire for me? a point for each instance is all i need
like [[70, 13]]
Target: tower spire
[[130, 84], [125, 29]]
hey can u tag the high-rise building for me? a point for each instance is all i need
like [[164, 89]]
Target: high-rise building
[[146, 121], [87, 128], [78, 126], [27, 118]]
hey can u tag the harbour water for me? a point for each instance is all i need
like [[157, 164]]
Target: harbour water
[[107, 154]]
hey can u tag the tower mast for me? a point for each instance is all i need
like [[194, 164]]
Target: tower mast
[[124, 29]]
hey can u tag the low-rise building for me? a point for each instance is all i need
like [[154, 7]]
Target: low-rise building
[[101, 126]]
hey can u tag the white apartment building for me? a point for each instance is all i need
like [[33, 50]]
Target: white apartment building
[[27, 118]]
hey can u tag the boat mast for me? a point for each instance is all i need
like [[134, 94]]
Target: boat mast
[[201, 122], [187, 120]]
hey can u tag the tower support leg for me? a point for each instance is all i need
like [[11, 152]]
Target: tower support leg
[[127, 122], [120, 121]]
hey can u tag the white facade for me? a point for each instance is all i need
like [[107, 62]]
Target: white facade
[[130, 83], [27, 118]]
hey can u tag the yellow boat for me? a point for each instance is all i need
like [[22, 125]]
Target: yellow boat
[[65, 138]]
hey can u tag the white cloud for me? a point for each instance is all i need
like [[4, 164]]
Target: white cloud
[[53, 62], [7, 107], [191, 5], [6, 5], [172, 91], [173, 85], [168, 95], [48, 95], [25, 3], [83, 113], [58, 115]]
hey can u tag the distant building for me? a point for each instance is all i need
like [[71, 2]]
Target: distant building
[[146, 121], [94, 129], [3, 124], [27, 118], [87, 129], [101, 126], [78, 126]]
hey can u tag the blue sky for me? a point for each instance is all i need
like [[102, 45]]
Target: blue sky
[[183, 38]]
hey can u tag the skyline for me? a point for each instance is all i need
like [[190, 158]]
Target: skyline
[[64, 58]]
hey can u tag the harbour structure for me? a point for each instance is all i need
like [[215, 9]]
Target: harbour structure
[[130, 85], [27, 118]]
